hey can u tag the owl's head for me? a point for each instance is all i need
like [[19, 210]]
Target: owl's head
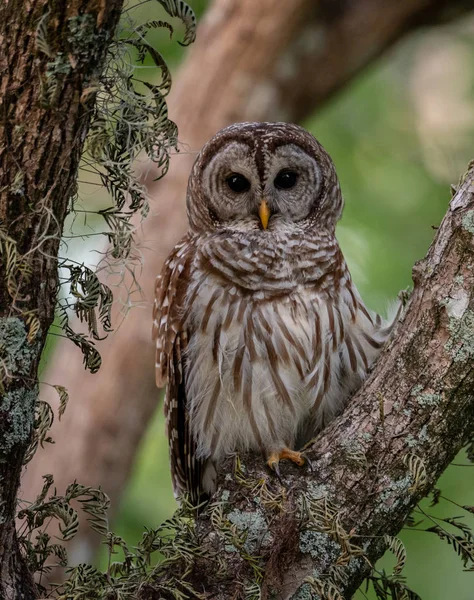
[[267, 176]]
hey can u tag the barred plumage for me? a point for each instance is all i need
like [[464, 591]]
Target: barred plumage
[[261, 334]]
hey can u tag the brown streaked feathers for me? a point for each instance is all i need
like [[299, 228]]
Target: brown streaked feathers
[[261, 335]]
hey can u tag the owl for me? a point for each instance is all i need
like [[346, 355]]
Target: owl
[[261, 335]]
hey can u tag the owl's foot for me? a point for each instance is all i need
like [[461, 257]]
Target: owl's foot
[[273, 460]]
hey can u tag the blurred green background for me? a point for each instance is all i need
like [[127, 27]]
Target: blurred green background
[[399, 135]]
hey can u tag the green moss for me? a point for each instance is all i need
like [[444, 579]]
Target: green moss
[[82, 32], [254, 526], [461, 342], [468, 221], [59, 66], [85, 40]]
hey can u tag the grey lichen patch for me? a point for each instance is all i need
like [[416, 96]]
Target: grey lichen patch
[[420, 439], [85, 41], [461, 342], [17, 410], [316, 490], [468, 221], [457, 303], [305, 592], [425, 399], [458, 280], [351, 445], [416, 389], [17, 405], [354, 566], [17, 354], [429, 399], [253, 526], [395, 495], [319, 546]]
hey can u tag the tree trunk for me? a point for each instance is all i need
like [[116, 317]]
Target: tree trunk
[[264, 60], [370, 467], [48, 53]]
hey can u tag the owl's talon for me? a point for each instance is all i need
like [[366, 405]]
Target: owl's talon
[[275, 467], [273, 463], [298, 458], [308, 463]]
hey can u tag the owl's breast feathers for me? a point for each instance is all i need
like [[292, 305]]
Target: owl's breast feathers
[[267, 337], [267, 265]]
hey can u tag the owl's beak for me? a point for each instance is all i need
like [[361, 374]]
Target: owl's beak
[[264, 213]]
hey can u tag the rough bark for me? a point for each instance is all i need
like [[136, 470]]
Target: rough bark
[[372, 465], [263, 60], [49, 52]]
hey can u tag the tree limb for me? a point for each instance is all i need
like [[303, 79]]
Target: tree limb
[[49, 53], [371, 466]]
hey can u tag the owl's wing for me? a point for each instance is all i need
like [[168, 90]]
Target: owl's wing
[[171, 334]]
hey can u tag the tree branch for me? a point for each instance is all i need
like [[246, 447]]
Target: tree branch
[[371, 465], [49, 54]]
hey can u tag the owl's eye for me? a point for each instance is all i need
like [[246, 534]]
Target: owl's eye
[[285, 180], [238, 183]]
